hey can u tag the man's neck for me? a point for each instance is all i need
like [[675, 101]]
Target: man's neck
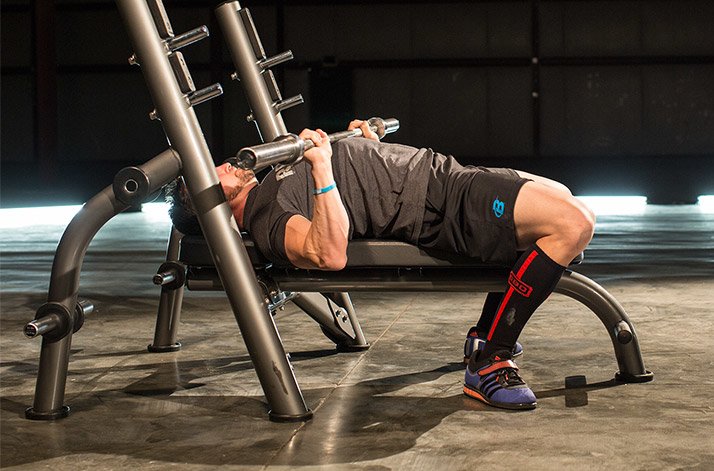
[[238, 204]]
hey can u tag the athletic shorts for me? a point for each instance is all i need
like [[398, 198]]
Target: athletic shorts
[[469, 211]]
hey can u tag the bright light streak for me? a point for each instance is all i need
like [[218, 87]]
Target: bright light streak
[[14, 218], [156, 212], [706, 204], [615, 205]]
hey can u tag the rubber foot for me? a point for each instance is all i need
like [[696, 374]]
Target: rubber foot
[[60, 413], [645, 377], [164, 348], [290, 418], [345, 347]]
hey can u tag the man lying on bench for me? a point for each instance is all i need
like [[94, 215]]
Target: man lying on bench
[[364, 188]]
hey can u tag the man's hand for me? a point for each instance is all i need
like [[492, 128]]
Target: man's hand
[[321, 154], [364, 126]]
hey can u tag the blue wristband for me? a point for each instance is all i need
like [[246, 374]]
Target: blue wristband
[[319, 191]]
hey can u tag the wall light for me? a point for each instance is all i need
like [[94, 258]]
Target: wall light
[[615, 205], [156, 212], [706, 204], [13, 218]]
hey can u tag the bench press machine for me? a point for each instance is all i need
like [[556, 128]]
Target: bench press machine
[[223, 259]]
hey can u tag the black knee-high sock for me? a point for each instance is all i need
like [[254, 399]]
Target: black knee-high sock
[[488, 313], [531, 281]]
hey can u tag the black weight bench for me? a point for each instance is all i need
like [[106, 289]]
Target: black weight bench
[[384, 265]]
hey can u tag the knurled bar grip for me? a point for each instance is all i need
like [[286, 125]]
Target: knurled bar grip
[[290, 149]]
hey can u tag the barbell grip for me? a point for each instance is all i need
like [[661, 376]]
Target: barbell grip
[[290, 149]]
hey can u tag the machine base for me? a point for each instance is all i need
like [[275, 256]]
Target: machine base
[[60, 413]]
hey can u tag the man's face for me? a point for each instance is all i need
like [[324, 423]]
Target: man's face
[[234, 179]]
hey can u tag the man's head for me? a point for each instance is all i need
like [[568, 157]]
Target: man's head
[[235, 182]]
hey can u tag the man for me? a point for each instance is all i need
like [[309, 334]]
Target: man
[[370, 189]]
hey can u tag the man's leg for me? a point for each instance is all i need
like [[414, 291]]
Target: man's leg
[[553, 228], [478, 333], [476, 336]]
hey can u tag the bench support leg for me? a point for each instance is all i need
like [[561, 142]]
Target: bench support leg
[[48, 402], [613, 316], [343, 300], [170, 302], [336, 324], [64, 284]]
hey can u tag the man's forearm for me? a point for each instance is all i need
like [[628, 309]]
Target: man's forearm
[[326, 241]]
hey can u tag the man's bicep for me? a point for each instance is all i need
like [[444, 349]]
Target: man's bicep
[[296, 230]]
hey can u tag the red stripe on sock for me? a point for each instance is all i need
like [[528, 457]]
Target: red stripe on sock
[[498, 314], [527, 263], [507, 297]]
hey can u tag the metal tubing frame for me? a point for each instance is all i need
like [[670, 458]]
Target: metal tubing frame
[[343, 300], [317, 307], [270, 126], [64, 282], [266, 115], [268, 120], [572, 284], [214, 215], [170, 303]]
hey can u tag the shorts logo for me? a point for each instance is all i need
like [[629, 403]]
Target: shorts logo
[[522, 288], [498, 207]]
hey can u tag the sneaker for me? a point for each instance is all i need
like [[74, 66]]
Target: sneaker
[[496, 382], [474, 342]]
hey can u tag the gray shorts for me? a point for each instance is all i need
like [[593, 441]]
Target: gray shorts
[[469, 211]]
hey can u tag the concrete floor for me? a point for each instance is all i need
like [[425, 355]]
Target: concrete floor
[[396, 406]]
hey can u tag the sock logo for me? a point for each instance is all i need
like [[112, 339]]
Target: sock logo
[[522, 288], [498, 207]]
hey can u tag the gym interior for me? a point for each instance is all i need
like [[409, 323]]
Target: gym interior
[[124, 344]]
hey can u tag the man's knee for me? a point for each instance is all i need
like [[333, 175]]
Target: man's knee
[[578, 226]]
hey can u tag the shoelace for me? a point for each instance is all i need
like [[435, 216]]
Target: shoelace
[[509, 377]]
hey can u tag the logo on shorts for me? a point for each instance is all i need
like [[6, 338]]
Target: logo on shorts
[[498, 207]]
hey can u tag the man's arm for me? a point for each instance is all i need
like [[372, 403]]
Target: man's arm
[[322, 242]]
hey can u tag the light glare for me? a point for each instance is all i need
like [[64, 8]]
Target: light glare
[[615, 205], [706, 204], [158, 212], [14, 218]]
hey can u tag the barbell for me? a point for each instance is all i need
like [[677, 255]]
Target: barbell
[[289, 150]]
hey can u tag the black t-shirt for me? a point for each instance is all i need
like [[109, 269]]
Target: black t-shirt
[[382, 186]]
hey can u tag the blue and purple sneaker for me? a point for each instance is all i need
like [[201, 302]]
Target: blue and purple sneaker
[[496, 382], [475, 342]]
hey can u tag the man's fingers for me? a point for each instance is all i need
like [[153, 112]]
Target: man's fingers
[[354, 124], [314, 136], [367, 132]]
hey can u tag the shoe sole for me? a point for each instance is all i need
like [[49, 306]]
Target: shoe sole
[[474, 394]]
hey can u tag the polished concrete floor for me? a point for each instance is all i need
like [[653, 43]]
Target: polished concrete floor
[[396, 406]]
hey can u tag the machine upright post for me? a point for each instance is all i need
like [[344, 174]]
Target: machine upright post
[[219, 228], [242, 49]]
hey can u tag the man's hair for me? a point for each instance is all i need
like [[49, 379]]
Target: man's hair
[[181, 210]]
